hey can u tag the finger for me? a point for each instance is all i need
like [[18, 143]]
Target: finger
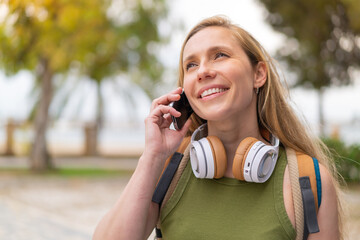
[[167, 99], [168, 117], [178, 90], [162, 110], [166, 122], [186, 127]]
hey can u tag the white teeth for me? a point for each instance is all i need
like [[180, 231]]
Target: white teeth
[[212, 91]]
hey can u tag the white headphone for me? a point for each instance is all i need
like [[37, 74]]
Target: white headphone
[[254, 161]]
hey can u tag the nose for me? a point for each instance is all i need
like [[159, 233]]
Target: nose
[[205, 72]]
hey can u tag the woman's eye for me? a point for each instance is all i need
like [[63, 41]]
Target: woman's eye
[[190, 65], [220, 54]]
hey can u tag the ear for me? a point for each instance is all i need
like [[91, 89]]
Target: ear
[[260, 75]]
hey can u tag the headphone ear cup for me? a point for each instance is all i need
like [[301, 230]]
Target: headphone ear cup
[[240, 156], [219, 156]]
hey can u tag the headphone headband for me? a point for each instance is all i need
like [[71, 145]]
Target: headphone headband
[[199, 133]]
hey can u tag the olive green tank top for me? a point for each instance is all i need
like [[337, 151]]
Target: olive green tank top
[[227, 208]]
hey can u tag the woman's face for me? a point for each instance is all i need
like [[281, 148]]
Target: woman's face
[[218, 76]]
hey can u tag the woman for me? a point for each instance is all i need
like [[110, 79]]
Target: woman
[[232, 85]]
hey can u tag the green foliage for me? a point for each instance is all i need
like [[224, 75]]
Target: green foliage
[[347, 159], [353, 10], [68, 33], [68, 172], [89, 172], [322, 42], [322, 45]]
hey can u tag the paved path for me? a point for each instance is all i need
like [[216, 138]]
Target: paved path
[[46, 208], [42, 207]]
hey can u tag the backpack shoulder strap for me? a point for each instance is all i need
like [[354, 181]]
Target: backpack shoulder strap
[[173, 169], [177, 175], [296, 192], [181, 149], [309, 166], [167, 176], [310, 188]]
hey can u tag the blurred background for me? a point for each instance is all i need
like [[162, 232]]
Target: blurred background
[[77, 79]]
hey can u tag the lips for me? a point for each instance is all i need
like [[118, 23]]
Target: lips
[[211, 91]]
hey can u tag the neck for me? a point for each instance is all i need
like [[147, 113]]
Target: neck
[[231, 134]]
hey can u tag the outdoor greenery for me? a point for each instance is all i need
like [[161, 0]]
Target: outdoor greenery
[[347, 158], [68, 172], [322, 46], [97, 38]]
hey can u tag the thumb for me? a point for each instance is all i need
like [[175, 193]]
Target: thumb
[[186, 127]]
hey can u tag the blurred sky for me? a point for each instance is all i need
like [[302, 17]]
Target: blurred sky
[[341, 104]]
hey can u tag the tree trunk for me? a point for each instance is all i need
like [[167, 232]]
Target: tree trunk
[[90, 146], [39, 156], [99, 114], [10, 129], [321, 112], [92, 130]]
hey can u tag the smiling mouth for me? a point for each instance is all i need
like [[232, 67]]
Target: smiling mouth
[[212, 91]]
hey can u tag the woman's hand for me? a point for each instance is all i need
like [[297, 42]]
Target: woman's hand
[[160, 140], [134, 215]]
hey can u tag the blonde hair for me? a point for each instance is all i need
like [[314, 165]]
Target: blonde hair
[[274, 112]]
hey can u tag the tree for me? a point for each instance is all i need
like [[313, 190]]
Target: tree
[[51, 37], [322, 41]]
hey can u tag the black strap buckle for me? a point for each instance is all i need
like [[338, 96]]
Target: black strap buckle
[[310, 218]]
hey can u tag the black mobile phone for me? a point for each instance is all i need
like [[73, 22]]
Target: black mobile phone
[[182, 106]]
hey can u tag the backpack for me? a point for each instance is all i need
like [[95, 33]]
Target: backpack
[[306, 191]]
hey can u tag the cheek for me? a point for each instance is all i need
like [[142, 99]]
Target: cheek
[[244, 80], [190, 91], [188, 86]]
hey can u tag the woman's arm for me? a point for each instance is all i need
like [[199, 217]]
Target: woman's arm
[[328, 211], [134, 215]]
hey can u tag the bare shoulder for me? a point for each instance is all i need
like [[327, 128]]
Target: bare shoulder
[[328, 211]]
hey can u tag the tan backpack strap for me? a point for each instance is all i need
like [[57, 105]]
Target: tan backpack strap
[[296, 193], [181, 149], [185, 149], [177, 176], [174, 182], [306, 168], [310, 181]]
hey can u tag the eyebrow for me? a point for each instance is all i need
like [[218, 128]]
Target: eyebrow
[[212, 49]]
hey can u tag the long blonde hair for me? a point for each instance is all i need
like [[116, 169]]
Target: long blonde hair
[[273, 110]]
